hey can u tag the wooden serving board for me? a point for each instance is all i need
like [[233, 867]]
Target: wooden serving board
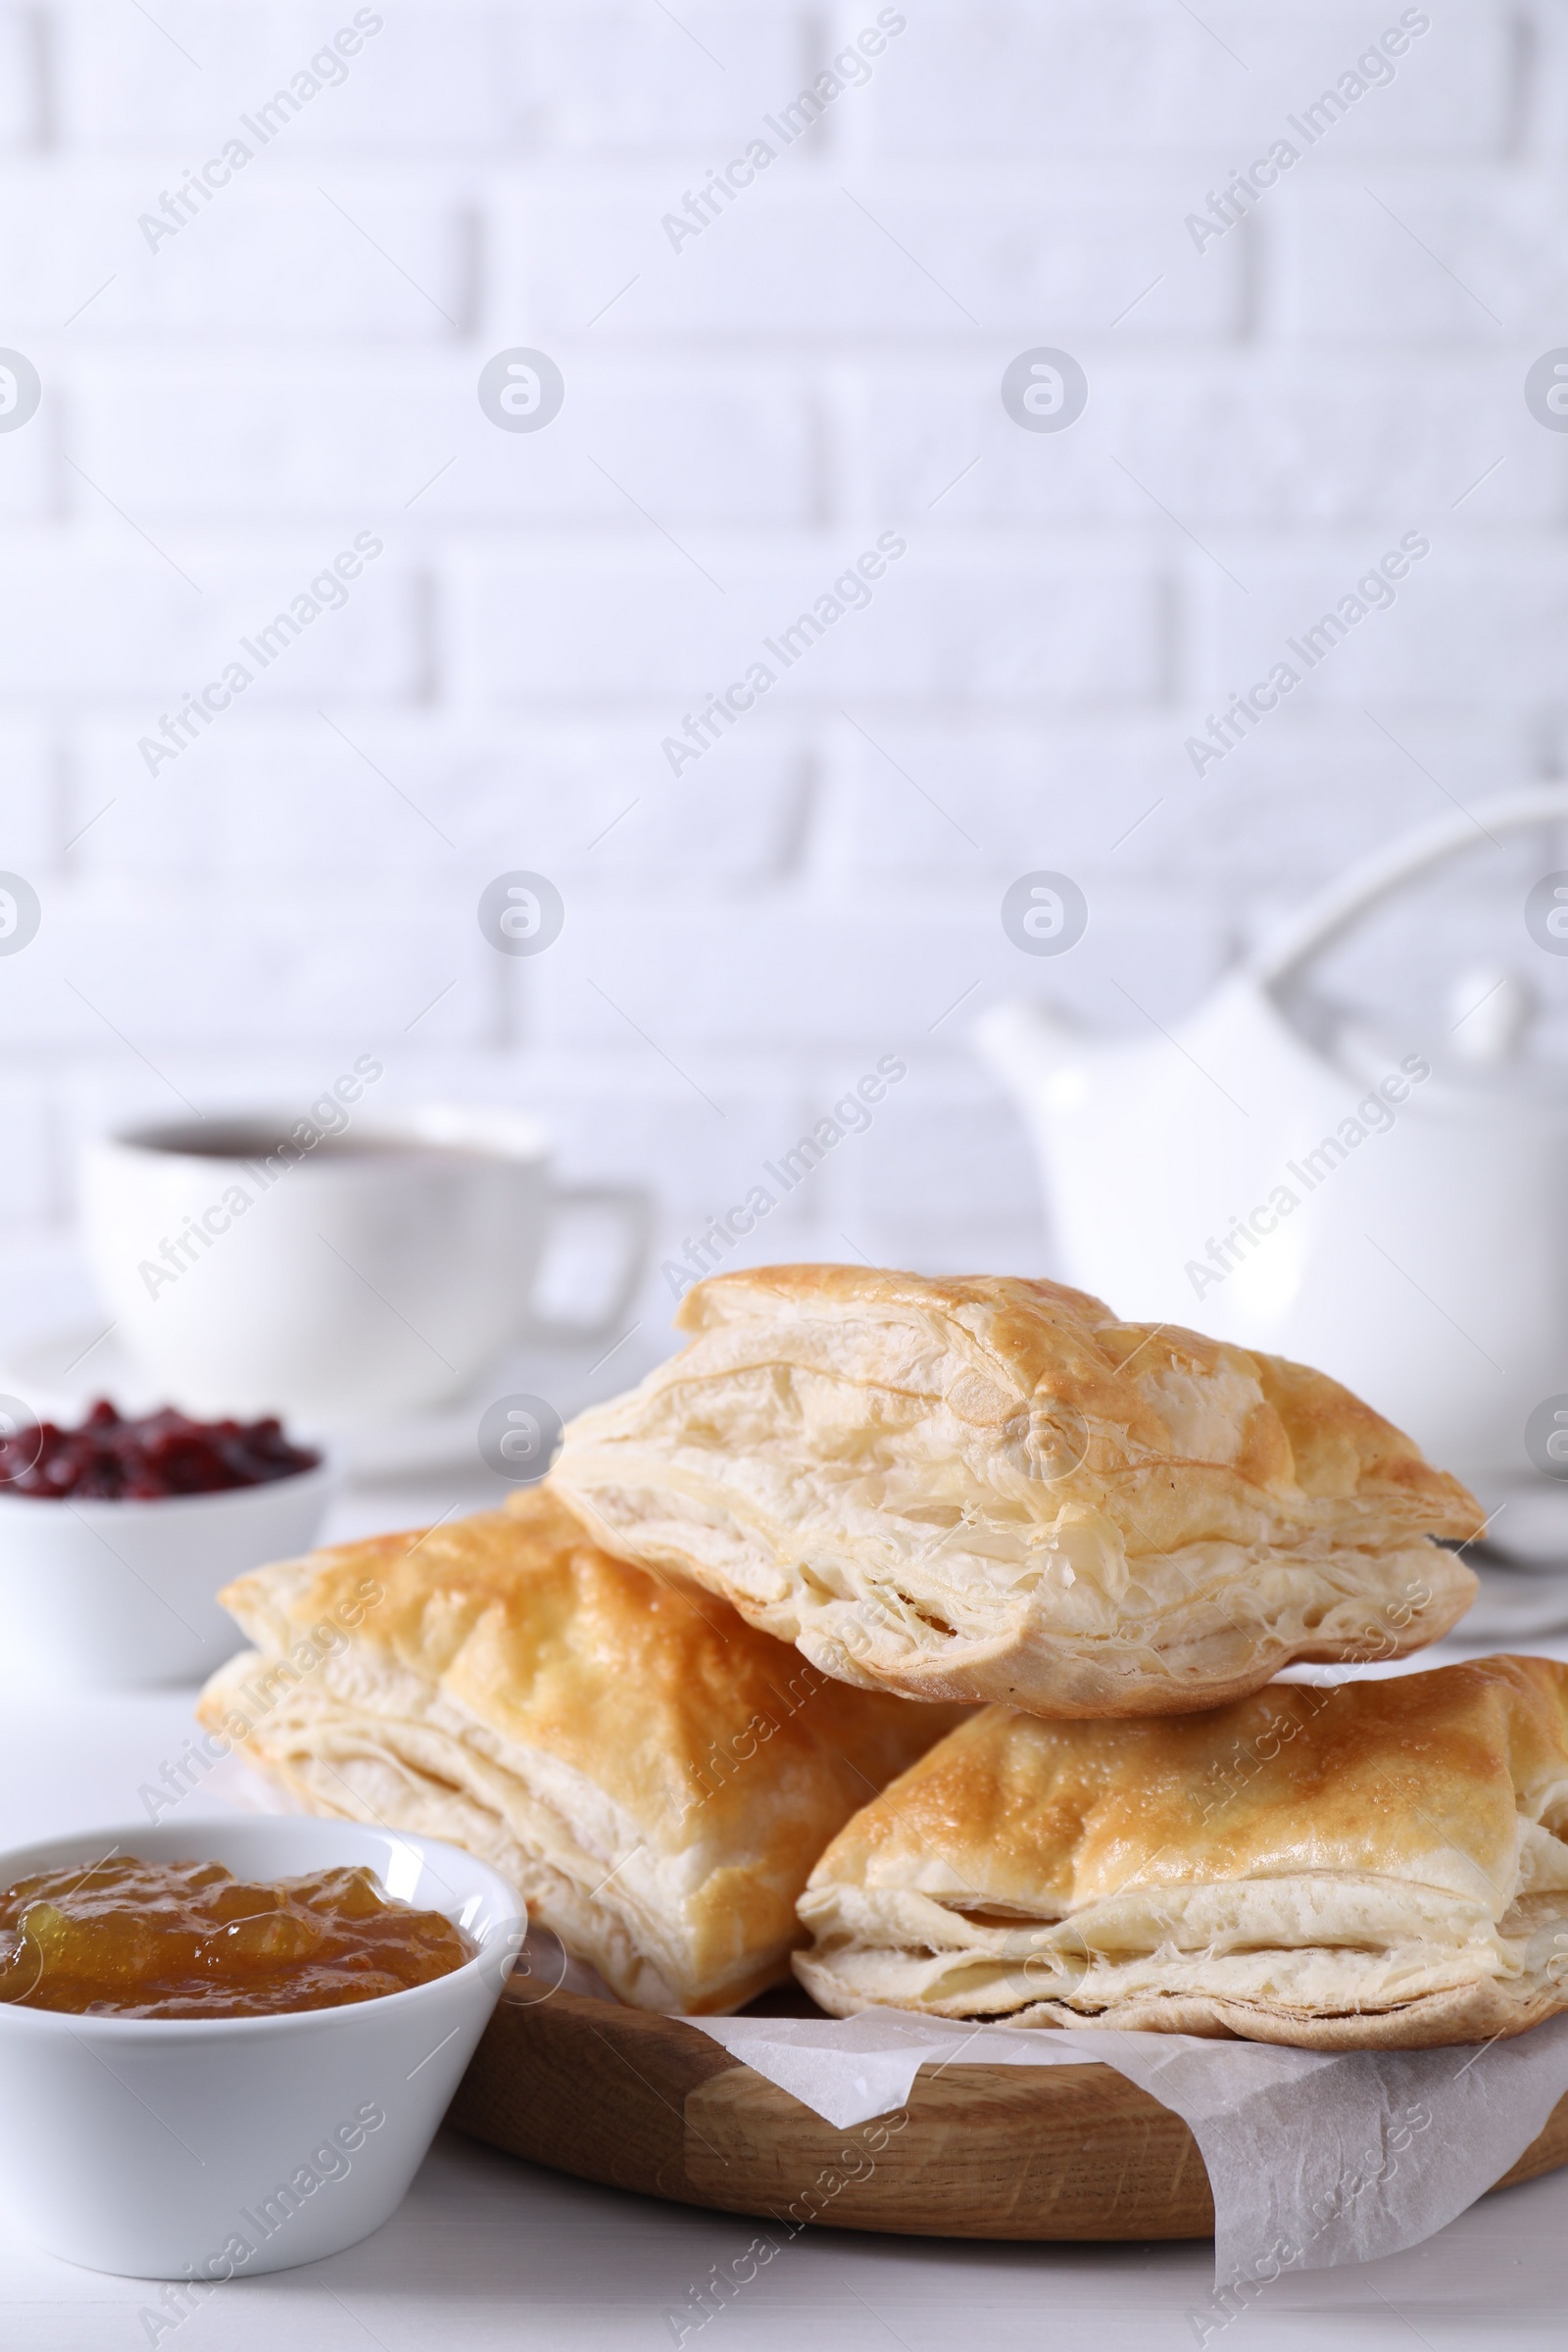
[[645, 2103]]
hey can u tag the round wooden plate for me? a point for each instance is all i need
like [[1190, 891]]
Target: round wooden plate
[[647, 2103]]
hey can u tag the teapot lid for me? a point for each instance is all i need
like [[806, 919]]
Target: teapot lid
[[1487, 1036]]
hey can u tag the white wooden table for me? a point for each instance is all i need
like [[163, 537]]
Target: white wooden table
[[490, 2254]]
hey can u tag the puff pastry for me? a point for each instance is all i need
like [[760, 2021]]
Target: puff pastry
[[989, 1488], [655, 1776], [1378, 1865]]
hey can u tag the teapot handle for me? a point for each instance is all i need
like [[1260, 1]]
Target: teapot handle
[[1337, 907]]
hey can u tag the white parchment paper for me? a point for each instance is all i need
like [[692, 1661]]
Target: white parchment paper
[[1314, 2159]]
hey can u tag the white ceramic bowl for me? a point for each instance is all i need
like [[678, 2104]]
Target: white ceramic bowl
[[121, 1594], [209, 2148]]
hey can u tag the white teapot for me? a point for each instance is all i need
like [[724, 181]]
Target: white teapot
[[1297, 1184]]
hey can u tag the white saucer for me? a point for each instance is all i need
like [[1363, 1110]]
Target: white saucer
[[1512, 1605], [59, 1373], [1527, 1519]]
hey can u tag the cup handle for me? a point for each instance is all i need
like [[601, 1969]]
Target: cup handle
[[635, 1210]]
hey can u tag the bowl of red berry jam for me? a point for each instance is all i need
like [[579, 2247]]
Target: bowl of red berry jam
[[111, 1458], [118, 1533]]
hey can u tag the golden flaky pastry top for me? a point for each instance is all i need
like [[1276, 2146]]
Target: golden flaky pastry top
[[982, 1487], [655, 1776], [1371, 1864]]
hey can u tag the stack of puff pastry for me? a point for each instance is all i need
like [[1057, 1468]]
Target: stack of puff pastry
[[1036, 1567]]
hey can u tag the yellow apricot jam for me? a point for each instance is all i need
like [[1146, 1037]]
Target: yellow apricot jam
[[129, 1938]]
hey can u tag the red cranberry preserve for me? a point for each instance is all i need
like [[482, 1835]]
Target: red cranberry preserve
[[139, 1461]]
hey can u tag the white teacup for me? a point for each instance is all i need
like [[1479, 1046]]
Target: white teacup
[[373, 1272]]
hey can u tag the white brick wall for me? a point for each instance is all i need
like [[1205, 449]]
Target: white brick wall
[[225, 408]]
